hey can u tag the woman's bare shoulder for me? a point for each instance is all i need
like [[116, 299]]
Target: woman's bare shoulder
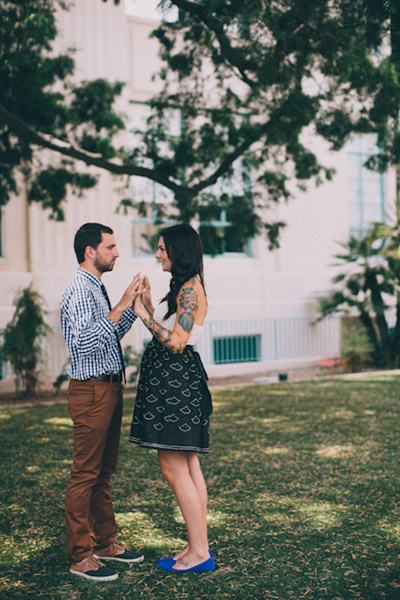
[[193, 285]]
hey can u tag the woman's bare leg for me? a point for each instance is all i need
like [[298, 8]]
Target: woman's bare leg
[[198, 480], [185, 478]]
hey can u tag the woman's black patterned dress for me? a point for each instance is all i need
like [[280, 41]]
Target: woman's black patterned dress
[[173, 403]]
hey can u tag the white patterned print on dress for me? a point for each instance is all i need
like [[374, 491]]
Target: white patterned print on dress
[[176, 367], [151, 398], [172, 418], [175, 383], [173, 402]]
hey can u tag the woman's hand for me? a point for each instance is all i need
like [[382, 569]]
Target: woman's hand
[[138, 307], [146, 296]]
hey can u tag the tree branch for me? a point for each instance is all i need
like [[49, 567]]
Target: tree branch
[[229, 159], [230, 53], [21, 128]]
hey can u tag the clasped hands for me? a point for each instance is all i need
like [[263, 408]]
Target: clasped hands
[[142, 304], [136, 296]]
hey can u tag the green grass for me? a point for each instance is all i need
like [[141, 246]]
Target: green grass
[[304, 490]]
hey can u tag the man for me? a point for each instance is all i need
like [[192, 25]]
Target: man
[[93, 330]]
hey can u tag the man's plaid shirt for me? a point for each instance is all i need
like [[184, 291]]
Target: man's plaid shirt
[[89, 334]]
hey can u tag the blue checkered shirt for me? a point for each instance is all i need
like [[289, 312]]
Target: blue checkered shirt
[[89, 334]]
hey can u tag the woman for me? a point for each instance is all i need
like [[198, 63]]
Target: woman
[[173, 403]]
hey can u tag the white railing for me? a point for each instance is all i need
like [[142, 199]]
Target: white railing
[[222, 342], [254, 340]]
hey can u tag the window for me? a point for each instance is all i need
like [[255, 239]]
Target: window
[[217, 235], [155, 203], [149, 220], [366, 187], [216, 230]]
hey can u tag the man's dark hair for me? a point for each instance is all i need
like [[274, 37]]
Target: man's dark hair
[[88, 235]]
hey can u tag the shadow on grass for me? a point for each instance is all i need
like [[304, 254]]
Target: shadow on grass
[[304, 491]]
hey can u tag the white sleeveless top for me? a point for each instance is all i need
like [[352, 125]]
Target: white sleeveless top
[[169, 323]]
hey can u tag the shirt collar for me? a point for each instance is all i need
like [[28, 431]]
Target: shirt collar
[[90, 277]]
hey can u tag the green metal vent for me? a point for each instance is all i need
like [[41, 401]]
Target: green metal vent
[[241, 348]]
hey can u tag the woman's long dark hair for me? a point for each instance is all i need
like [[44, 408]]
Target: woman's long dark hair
[[185, 251]]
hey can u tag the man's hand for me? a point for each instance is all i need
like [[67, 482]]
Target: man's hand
[[127, 300]]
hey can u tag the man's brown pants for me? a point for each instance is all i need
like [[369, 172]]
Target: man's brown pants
[[96, 411]]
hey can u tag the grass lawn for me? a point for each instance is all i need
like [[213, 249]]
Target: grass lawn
[[304, 487]]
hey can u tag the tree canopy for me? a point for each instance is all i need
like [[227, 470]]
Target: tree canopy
[[249, 78]]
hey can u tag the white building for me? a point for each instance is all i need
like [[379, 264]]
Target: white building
[[261, 303]]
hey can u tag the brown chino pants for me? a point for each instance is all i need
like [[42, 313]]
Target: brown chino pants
[[96, 411]]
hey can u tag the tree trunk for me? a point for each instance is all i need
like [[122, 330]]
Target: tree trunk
[[368, 323], [378, 305]]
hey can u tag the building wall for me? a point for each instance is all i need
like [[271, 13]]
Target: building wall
[[283, 283]]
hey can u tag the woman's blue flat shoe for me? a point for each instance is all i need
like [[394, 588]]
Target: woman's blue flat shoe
[[207, 565], [172, 560], [164, 561]]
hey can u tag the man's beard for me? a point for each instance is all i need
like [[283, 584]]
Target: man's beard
[[104, 267]]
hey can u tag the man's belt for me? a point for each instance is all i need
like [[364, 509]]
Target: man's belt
[[110, 378]]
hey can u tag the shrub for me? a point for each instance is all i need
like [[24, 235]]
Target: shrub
[[356, 349], [22, 338]]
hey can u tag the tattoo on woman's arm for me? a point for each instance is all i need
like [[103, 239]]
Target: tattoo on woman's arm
[[162, 334], [188, 305]]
